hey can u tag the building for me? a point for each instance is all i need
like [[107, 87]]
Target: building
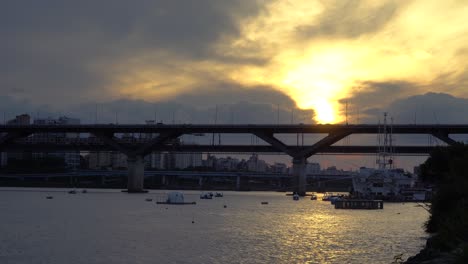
[[256, 164], [312, 168], [280, 168], [71, 159], [23, 119], [100, 160], [180, 161], [227, 164]]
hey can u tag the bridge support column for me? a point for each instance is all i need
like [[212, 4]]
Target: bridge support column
[[136, 171], [299, 175]]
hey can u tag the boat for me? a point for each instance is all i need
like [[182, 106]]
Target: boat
[[358, 204], [330, 196], [72, 192], [264, 202], [175, 198], [84, 191], [206, 195], [219, 194], [295, 197], [313, 197], [385, 182], [49, 197]]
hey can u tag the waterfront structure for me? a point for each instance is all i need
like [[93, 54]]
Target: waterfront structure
[[386, 182]]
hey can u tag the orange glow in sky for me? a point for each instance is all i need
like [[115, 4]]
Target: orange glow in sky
[[318, 52]]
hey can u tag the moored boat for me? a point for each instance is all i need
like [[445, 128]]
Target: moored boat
[[295, 197], [175, 198], [358, 204], [206, 195]]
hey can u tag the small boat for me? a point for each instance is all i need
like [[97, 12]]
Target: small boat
[[149, 199], [206, 196], [295, 197], [330, 196], [175, 198], [72, 192], [264, 202], [49, 197], [84, 191], [219, 194]]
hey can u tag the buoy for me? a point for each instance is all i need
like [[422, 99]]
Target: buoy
[[193, 222], [225, 206]]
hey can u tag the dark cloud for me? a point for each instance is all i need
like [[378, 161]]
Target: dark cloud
[[430, 108], [55, 50], [370, 99], [350, 19]]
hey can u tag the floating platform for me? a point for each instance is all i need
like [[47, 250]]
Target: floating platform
[[359, 204], [176, 203]]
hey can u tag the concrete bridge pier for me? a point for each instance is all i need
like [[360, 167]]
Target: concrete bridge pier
[[136, 174], [299, 175]]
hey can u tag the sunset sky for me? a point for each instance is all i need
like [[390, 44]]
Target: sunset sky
[[314, 55]]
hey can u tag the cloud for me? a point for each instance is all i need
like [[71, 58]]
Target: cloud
[[317, 53]]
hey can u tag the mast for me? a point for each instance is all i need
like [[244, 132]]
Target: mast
[[385, 142]]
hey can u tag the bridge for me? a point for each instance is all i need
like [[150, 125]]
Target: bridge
[[105, 137]]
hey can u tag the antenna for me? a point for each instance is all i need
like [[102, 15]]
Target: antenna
[[96, 115], [292, 116], [346, 112], [277, 113], [155, 114], [215, 121]]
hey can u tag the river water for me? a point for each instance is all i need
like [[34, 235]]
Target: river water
[[108, 226]]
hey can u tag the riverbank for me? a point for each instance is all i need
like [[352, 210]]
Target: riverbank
[[448, 221]]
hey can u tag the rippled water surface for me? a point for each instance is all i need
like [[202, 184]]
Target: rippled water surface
[[104, 226]]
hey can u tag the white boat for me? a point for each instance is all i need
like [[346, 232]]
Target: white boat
[[175, 198], [208, 195], [385, 182]]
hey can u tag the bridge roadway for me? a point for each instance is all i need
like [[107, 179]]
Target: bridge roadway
[[88, 173], [16, 137], [241, 178]]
